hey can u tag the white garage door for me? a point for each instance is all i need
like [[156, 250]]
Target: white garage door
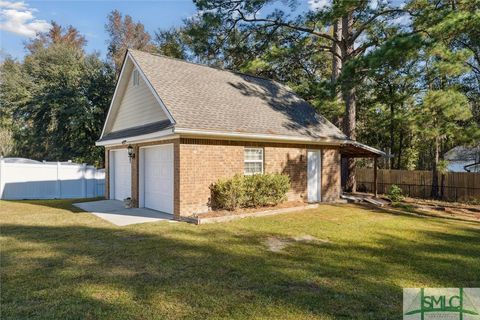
[[122, 176], [158, 178]]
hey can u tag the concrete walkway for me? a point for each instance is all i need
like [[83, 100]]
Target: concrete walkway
[[114, 212]]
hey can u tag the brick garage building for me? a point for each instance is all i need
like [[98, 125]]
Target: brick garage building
[[174, 128]]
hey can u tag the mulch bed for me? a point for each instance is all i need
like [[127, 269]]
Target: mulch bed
[[222, 213]]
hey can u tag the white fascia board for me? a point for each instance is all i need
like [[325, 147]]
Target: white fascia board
[[256, 137], [154, 92], [154, 136]]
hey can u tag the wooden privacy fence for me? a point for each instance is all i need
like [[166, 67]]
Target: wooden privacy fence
[[458, 186]]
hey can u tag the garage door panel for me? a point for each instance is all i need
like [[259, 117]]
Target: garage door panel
[[158, 178], [121, 174]]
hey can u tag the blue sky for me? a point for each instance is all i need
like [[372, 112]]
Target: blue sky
[[20, 19]]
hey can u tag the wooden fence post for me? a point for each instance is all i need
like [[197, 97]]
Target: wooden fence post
[[375, 178]]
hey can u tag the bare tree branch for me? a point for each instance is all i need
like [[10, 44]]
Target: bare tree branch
[[272, 22]]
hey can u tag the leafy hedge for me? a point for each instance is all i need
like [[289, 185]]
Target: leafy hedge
[[249, 191]]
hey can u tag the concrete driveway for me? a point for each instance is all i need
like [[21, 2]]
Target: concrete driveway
[[114, 212]]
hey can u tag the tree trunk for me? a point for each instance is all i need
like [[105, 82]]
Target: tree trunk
[[349, 130], [349, 121], [435, 170], [336, 61], [336, 65], [392, 132]]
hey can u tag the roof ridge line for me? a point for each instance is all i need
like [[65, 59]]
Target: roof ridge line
[[207, 66]]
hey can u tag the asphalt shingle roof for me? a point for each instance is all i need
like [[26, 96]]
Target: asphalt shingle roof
[[206, 98]]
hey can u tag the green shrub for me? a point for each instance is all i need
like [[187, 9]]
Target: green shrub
[[265, 189], [249, 191], [395, 193], [228, 193]]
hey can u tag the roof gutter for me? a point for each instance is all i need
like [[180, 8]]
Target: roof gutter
[[470, 165], [363, 146], [255, 136], [176, 132]]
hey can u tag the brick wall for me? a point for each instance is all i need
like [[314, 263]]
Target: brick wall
[[200, 166], [198, 163], [331, 181], [203, 162], [291, 161]]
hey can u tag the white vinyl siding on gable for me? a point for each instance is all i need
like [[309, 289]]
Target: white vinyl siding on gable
[[138, 106]]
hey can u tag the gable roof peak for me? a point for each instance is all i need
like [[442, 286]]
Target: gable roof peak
[[202, 97], [205, 65]]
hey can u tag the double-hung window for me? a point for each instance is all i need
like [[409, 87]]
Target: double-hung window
[[253, 161]]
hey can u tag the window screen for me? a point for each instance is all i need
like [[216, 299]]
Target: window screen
[[253, 162]]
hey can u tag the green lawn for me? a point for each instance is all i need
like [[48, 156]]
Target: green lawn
[[58, 263]]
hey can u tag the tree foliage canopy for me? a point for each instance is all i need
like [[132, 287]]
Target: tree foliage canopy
[[404, 78], [56, 100]]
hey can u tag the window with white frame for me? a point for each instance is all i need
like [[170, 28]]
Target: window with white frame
[[253, 161], [136, 78]]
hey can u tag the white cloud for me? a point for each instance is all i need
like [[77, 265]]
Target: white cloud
[[18, 17], [317, 5], [20, 5]]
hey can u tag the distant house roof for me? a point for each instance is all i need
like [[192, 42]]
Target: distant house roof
[[206, 98], [462, 153]]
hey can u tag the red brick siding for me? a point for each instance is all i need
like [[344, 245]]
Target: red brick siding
[[200, 166], [292, 162], [198, 163], [203, 162], [331, 181]]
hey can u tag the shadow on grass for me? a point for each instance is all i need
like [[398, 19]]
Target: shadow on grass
[[407, 211], [65, 204], [72, 272]]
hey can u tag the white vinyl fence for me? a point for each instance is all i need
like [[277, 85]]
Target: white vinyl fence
[[50, 181]]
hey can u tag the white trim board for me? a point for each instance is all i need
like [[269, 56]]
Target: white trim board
[[155, 136]]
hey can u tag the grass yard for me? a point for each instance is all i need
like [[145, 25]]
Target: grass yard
[[337, 261]]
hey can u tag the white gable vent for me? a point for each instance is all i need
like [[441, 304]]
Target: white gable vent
[[136, 78]]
